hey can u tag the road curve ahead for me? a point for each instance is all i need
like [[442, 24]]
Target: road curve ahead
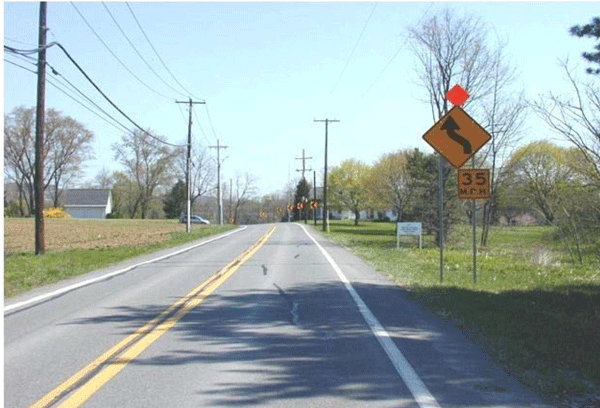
[[271, 315]]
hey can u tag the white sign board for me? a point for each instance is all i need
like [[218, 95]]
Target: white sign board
[[408, 228]]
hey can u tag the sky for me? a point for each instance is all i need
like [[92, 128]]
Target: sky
[[267, 70]]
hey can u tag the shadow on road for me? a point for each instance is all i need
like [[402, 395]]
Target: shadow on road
[[310, 341]]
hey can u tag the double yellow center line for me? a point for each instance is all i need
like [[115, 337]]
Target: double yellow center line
[[92, 377]]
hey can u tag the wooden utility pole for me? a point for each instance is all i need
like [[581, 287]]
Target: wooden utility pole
[[325, 210], [188, 183], [315, 196], [230, 200], [304, 159], [219, 198], [38, 186]]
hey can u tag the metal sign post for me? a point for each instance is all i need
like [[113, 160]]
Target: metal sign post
[[457, 137]]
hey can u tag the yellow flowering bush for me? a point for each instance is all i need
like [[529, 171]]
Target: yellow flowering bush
[[55, 212]]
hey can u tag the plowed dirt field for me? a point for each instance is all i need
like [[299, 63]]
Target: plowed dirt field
[[63, 234]]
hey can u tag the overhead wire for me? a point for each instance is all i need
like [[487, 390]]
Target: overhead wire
[[123, 127], [94, 85], [27, 52], [353, 49], [157, 54], [25, 58], [109, 100], [114, 55], [137, 52], [200, 126], [58, 74], [20, 66], [210, 122], [18, 42], [395, 54], [72, 97]]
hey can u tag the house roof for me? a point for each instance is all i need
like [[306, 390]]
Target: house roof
[[87, 197]]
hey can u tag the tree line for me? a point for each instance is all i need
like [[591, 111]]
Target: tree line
[[559, 185], [151, 183]]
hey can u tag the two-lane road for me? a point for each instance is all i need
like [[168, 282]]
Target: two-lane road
[[267, 315]]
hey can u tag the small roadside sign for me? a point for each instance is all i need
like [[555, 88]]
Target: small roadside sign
[[409, 228], [473, 183], [456, 136]]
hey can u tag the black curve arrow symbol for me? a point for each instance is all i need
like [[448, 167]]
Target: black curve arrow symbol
[[450, 126]]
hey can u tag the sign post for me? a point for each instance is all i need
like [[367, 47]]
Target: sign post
[[457, 137]]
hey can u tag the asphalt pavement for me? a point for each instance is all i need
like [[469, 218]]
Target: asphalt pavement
[[259, 317]]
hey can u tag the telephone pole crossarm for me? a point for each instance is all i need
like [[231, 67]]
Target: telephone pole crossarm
[[219, 198], [304, 159]]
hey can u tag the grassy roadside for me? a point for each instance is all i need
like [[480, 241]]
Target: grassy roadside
[[536, 312], [24, 271]]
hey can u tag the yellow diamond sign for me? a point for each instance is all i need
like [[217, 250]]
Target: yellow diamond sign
[[456, 136]]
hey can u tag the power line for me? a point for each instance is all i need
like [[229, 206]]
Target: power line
[[395, 55], [26, 52], [55, 72], [20, 66], [353, 49], [200, 127], [73, 98], [210, 121], [18, 42], [26, 58], [156, 52], [124, 128], [114, 55], [137, 52], [108, 99]]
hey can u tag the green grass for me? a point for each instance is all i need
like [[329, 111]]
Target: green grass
[[535, 311], [25, 271]]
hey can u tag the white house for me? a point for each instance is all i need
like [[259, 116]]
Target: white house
[[88, 203]]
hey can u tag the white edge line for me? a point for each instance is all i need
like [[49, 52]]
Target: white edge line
[[416, 386], [64, 290]]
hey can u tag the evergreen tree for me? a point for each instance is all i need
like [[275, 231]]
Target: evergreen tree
[[302, 196], [175, 202], [590, 30]]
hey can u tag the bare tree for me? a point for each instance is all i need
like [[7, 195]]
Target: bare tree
[[18, 153], [67, 145], [147, 162], [103, 179], [451, 50], [245, 188], [202, 173], [503, 115], [577, 120]]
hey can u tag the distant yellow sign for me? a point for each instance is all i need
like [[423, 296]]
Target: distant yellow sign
[[473, 183], [456, 136]]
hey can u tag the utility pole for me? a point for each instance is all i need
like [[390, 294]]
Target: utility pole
[[315, 195], [188, 184], [325, 210], [304, 159], [40, 246], [230, 199], [219, 200]]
